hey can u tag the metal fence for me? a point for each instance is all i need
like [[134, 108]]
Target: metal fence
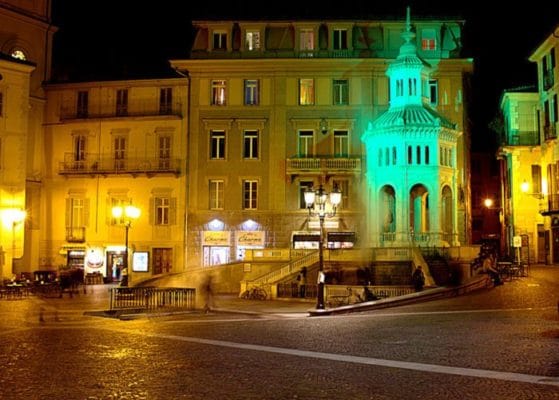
[[151, 298]]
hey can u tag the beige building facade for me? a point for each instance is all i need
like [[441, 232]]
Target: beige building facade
[[111, 144], [278, 107]]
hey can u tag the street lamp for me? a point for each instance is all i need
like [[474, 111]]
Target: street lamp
[[316, 204], [126, 214]]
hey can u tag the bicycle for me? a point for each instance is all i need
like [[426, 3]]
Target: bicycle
[[255, 293]]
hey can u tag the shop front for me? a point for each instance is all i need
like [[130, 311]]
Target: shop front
[[216, 247], [246, 240]]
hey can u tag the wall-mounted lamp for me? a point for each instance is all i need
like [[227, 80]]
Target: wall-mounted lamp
[[525, 188], [324, 126]]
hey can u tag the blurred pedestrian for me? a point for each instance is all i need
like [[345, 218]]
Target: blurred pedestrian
[[302, 282], [207, 292]]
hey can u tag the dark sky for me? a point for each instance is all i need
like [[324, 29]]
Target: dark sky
[[128, 38]]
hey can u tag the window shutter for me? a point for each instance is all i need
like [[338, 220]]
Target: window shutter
[[151, 211], [86, 205], [68, 216], [173, 211]]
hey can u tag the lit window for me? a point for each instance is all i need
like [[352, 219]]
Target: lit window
[[80, 143], [306, 40], [252, 40], [216, 195], [341, 143], [162, 210], [428, 40], [164, 152], [306, 92], [217, 145], [218, 92], [250, 145], [343, 186], [250, 195], [19, 54], [120, 152], [303, 187], [220, 41], [341, 92], [251, 92]]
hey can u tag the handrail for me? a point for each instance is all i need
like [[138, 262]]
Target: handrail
[[287, 270]]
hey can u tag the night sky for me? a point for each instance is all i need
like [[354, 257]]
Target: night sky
[[130, 39]]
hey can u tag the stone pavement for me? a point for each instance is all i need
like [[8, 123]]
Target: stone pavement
[[96, 300]]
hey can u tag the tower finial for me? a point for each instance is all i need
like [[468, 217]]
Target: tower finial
[[408, 19]]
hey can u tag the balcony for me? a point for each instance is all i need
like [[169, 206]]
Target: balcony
[[550, 205], [130, 112], [75, 234], [323, 166], [96, 165]]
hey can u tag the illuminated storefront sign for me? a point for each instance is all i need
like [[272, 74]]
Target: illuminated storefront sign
[[216, 238], [250, 239]]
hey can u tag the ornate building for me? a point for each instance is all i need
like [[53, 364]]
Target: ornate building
[[280, 106]]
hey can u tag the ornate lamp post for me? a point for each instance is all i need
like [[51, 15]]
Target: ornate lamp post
[[126, 214], [316, 204]]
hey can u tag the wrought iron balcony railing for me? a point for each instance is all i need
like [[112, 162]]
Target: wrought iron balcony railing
[[549, 132], [155, 111], [93, 165], [549, 204], [75, 234]]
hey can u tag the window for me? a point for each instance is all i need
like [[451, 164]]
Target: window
[[341, 92], [164, 151], [428, 40], [306, 143], [216, 194], [340, 39], [303, 187], [118, 202], [341, 143], [19, 54], [218, 92], [120, 152], [433, 91], [380, 157], [387, 156], [306, 40], [536, 179], [252, 40], [412, 82], [217, 145], [306, 92], [418, 154], [426, 154], [162, 210], [122, 102], [343, 186], [76, 218], [80, 143], [399, 87], [394, 155], [83, 104], [220, 41], [250, 145], [165, 101], [250, 194], [251, 92], [410, 155]]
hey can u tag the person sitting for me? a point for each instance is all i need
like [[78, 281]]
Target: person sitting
[[489, 269], [368, 295]]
